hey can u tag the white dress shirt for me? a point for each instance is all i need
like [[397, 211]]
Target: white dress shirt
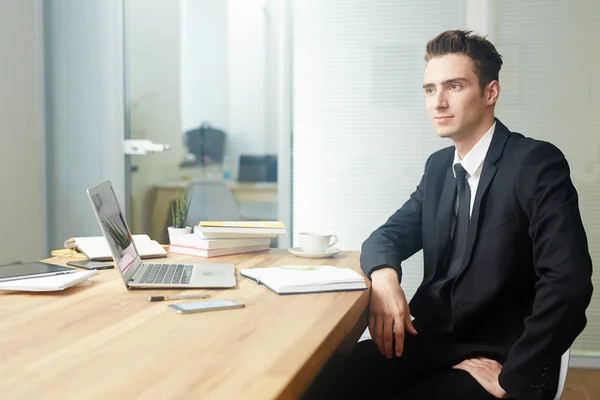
[[473, 163]]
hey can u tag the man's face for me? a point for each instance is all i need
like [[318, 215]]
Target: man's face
[[453, 96]]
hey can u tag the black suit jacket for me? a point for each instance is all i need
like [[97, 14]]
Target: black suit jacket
[[525, 281]]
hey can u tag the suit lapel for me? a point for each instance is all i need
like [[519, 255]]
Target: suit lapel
[[487, 175], [501, 135], [444, 218]]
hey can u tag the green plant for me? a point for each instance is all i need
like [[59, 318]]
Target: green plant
[[179, 210], [115, 232]]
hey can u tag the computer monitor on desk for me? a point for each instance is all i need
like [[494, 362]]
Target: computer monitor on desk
[[261, 168]]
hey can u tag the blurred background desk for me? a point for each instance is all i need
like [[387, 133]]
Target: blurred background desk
[[259, 199]]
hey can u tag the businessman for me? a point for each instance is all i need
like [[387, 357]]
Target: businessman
[[507, 271]]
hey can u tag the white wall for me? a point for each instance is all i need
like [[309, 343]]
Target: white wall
[[153, 80], [361, 130], [282, 33], [204, 60], [210, 61], [22, 158], [249, 82], [229, 78], [83, 56]]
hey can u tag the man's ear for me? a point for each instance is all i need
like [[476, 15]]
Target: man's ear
[[492, 92]]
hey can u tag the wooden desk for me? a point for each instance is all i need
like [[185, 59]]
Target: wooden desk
[[105, 342], [162, 195]]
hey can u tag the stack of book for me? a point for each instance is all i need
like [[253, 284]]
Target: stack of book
[[220, 238]]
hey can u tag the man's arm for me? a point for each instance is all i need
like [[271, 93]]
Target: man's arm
[[398, 239], [381, 257], [563, 264]]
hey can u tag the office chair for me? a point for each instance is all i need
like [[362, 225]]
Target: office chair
[[259, 211], [562, 377], [211, 201]]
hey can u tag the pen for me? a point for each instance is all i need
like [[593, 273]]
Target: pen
[[181, 297]]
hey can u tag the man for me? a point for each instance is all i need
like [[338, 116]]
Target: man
[[507, 271]]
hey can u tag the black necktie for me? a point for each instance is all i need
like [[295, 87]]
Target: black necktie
[[462, 221]]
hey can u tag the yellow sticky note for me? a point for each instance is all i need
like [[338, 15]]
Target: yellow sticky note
[[301, 267]]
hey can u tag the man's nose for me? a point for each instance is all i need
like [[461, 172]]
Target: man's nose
[[441, 101]]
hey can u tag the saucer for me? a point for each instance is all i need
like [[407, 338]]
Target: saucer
[[297, 251]]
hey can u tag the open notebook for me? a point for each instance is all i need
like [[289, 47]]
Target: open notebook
[[295, 279], [96, 247]]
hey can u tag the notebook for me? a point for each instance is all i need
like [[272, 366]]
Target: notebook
[[49, 283], [296, 279], [96, 247], [232, 235]]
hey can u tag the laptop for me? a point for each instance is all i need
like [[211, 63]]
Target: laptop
[[138, 275]]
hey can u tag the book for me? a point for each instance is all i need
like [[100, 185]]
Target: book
[[296, 279], [50, 283], [232, 235], [216, 229], [96, 247], [244, 224], [194, 251], [192, 240]]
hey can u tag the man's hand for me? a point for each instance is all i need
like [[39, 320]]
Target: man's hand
[[389, 314], [486, 372]]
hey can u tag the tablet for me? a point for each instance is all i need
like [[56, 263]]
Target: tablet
[[31, 270]]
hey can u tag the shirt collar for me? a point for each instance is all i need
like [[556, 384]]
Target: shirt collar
[[474, 158]]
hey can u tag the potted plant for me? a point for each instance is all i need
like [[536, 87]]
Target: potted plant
[[179, 212]]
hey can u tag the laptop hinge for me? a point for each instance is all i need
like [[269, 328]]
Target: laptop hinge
[[138, 272]]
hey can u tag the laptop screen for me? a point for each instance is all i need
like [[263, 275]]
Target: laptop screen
[[114, 227]]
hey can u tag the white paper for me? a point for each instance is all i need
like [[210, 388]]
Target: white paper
[[96, 247], [48, 283], [288, 277]]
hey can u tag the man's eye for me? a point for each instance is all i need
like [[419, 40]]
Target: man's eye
[[429, 90], [455, 86]]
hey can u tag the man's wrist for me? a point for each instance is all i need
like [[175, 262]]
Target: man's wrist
[[384, 272]]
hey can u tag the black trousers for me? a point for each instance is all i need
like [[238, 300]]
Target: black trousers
[[423, 372]]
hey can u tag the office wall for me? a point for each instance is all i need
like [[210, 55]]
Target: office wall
[[210, 61], [83, 55], [204, 57], [22, 158], [281, 15], [361, 130], [229, 62], [153, 96], [251, 83]]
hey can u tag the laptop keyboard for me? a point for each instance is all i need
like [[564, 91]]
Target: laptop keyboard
[[167, 273]]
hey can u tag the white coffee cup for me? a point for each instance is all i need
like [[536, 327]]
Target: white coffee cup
[[312, 242]]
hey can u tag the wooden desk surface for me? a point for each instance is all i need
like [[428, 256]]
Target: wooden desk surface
[[103, 341]]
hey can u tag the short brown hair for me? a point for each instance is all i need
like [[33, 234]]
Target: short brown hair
[[486, 59]]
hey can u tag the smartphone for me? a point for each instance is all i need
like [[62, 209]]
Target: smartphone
[[207, 305], [90, 264]]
